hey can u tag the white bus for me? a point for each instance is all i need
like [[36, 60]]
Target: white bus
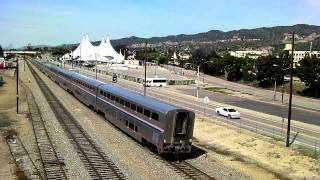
[[156, 81]]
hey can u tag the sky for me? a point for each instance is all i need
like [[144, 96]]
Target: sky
[[55, 22]]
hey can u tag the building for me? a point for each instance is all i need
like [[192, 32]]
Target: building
[[253, 54], [299, 55]]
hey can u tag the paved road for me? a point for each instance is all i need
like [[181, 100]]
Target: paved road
[[305, 116], [266, 95]]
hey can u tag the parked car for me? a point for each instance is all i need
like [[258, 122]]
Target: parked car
[[228, 112]]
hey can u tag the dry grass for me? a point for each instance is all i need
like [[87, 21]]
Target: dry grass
[[247, 149]]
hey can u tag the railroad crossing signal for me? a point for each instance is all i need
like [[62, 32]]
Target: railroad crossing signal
[[114, 78]]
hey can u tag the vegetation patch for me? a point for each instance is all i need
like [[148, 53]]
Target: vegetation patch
[[220, 90], [4, 121], [307, 151], [20, 174]]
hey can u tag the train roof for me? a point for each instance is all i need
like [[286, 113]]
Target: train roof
[[87, 79], [139, 99], [127, 94], [78, 76]]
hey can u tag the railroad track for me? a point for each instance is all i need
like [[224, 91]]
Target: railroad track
[[52, 164], [22, 157], [188, 171], [98, 164]]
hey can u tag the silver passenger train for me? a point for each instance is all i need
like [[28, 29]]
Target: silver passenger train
[[157, 124]]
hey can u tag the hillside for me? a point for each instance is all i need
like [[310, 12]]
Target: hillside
[[258, 37], [274, 37]]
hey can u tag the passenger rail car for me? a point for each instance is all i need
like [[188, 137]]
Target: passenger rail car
[[149, 121]]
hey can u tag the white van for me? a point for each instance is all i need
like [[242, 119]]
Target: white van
[[156, 81]]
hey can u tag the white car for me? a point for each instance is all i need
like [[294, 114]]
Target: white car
[[228, 112]]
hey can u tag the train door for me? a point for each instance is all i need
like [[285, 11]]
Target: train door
[[181, 125]]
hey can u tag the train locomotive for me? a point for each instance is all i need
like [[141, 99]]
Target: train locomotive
[[165, 127]]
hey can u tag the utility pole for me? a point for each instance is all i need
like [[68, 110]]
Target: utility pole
[[282, 86], [198, 82], [203, 72], [17, 82], [24, 62], [290, 97], [145, 70], [282, 91], [95, 55], [155, 67], [275, 89]]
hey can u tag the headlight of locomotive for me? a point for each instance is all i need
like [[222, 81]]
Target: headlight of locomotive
[[164, 141], [190, 140]]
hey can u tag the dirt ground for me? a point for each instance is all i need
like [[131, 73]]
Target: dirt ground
[[255, 155], [8, 122], [7, 105]]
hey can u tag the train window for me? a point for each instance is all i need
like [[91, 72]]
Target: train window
[[127, 104], [108, 95], [101, 92], [127, 123], [146, 112], [136, 128], [117, 99], [112, 97], [104, 94], [139, 109], [154, 116], [133, 107], [122, 102], [131, 126]]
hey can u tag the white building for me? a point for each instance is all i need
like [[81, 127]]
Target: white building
[[299, 55], [249, 53]]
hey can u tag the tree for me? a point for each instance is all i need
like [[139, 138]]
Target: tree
[[233, 67], [59, 51], [216, 66], [1, 51], [309, 73], [29, 47], [198, 56], [269, 70], [10, 56], [163, 60], [248, 70], [123, 49]]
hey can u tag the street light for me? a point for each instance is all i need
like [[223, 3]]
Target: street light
[[282, 86]]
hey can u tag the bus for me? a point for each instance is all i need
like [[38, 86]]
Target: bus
[[156, 81]]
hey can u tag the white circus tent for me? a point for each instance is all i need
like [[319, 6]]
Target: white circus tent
[[87, 52], [106, 53]]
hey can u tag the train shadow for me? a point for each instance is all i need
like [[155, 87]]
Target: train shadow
[[195, 153]]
